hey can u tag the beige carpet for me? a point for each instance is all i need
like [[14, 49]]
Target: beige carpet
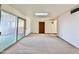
[[41, 44]]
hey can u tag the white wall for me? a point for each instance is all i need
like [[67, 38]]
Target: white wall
[[34, 26], [28, 26], [49, 27], [68, 28]]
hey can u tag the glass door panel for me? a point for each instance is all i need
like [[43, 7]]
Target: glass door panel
[[8, 27], [20, 28]]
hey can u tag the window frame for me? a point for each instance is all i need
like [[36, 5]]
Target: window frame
[[18, 17]]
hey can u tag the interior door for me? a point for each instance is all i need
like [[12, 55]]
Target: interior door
[[41, 27]]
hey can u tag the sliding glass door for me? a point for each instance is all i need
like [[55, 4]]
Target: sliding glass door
[[8, 26], [21, 28], [12, 29]]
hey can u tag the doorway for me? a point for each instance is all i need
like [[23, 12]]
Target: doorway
[[41, 27]]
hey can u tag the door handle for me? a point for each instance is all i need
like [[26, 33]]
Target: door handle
[[0, 33]]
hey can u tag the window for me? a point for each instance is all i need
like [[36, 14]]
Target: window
[[21, 28], [12, 28], [8, 28]]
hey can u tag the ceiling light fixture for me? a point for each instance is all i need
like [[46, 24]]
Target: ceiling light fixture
[[41, 14]]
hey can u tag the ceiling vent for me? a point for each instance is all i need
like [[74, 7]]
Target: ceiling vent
[[74, 10]]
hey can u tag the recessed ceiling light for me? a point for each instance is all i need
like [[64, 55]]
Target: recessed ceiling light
[[41, 14]]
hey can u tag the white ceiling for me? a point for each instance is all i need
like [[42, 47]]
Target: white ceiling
[[53, 9]]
